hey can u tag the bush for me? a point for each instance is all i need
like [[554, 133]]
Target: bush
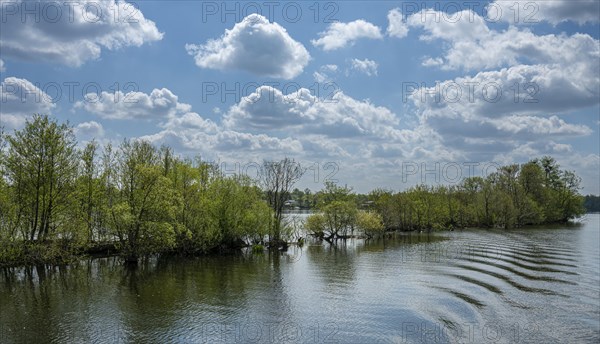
[[315, 225], [370, 223]]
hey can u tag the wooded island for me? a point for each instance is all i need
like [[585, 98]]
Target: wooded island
[[59, 202]]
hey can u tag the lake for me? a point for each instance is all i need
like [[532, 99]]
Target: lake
[[534, 285]]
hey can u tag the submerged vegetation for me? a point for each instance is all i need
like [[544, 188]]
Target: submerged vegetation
[[58, 201]]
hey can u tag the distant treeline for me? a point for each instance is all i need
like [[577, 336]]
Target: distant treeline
[[592, 203], [58, 201], [537, 192]]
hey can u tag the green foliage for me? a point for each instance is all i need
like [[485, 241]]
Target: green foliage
[[316, 225], [15, 252], [40, 166], [370, 223], [258, 248], [144, 206], [56, 200], [340, 216], [238, 211], [534, 193], [337, 212], [334, 193], [304, 199]]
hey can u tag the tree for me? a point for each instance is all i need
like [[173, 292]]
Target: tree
[[185, 178], [88, 186], [337, 212], [7, 208], [315, 224], [384, 204], [569, 200], [531, 179], [308, 201], [551, 170], [144, 210], [239, 210], [56, 201], [340, 216], [531, 189], [41, 165], [108, 191], [166, 159], [277, 179], [370, 223]]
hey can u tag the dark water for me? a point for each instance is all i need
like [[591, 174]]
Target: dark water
[[521, 286]]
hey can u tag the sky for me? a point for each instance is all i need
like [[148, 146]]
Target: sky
[[372, 94]]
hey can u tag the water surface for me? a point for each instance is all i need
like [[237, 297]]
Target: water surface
[[472, 286]]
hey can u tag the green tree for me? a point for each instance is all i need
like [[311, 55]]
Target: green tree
[[337, 212], [370, 223], [88, 187], [570, 202], [143, 211], [217, 211], [7, 225], [384, 204], [41, 165], [531, 181]]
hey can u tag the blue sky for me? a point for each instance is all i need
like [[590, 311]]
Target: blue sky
[[372, 94]]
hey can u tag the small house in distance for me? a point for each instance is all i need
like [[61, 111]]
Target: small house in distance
[[291, 204]]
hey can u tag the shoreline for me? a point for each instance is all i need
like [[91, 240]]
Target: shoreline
[[107, 249]]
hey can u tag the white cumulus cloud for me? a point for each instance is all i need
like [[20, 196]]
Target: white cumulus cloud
[[254, 45], [71, 32], [89, 130], [19, 99], [472, 45], [302, 113], [159, 104], [554, 11], [340, 35], [326, 73], [397, 26], [366, 66]]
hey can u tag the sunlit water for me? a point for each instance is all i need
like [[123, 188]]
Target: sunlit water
[[472, 286]]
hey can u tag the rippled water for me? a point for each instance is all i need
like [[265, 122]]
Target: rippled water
[[473, 286]]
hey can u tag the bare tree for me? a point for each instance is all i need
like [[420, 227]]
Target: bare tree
[[277, 179]]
